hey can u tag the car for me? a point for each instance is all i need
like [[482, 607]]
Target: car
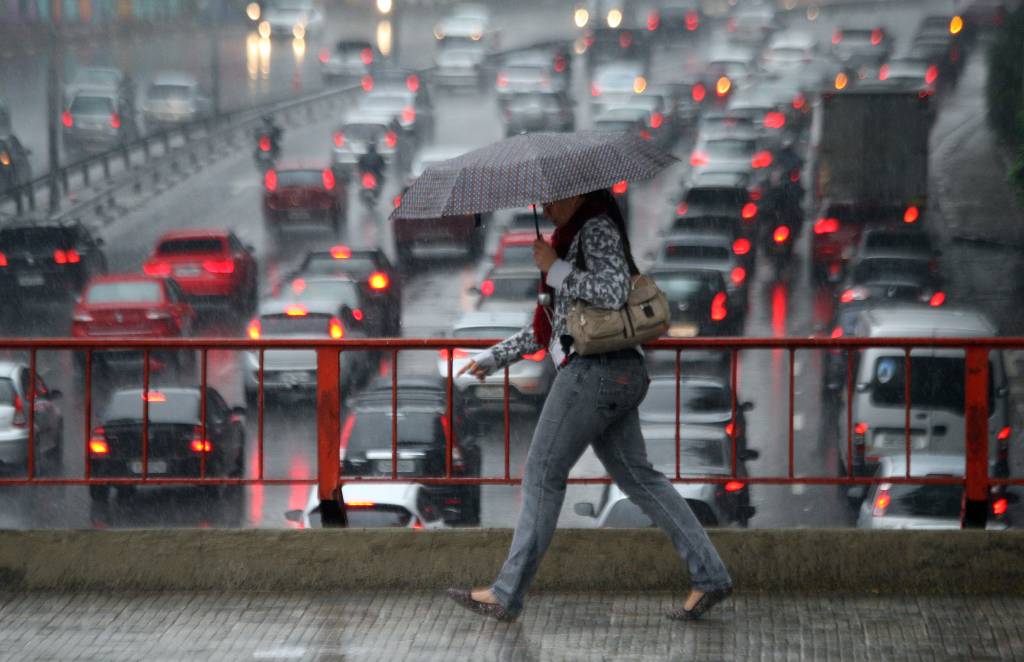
[[603, 44], [726, 71], [857, 47], [342, 294], [921, 506], [698, 301], [348, 60], [173, 98], [614, 14], [424, 434], [43, 261], [508, 289], [290, 375], [412, 110], [295, 195], [515, 249], [351, 139], [675, 18], [524, 72], [733, 152], [914, 74], [135, 306], [15, 169], [622, 120], [181, 444], [538, 111], [377, 505], [908, 241], [837, 231], [771, 107], [705, 399], [703, 451], [722, 123], [459, 67], [788, 52], [467, 25], [752, 24], [529, 379], [16, 383], [96, 120], [654, 116], [96, 78], [878, 409], [379, 281], [293, 20], [524, 220], [897, 277], [616, 82], [710, 251], [213, 268], [717, 193]]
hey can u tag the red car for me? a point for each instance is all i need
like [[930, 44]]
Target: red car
[[212, 267], [134, 306], [516, 248], [302, 196]]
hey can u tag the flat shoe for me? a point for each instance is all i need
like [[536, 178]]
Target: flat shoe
[[704, 604], [464, 598]]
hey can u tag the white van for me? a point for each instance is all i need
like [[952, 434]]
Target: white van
[[936, 390]]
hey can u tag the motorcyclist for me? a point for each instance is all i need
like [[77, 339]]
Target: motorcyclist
[[371, 161], [270, 129]]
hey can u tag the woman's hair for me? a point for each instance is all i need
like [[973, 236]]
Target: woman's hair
[[603, 202]]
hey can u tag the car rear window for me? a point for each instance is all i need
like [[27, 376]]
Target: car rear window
[[164, 407], [96, 77], [166, 92], [286, 178], [731, 148], [381, 516], [326, 265], [884, 269], [942, 501], [136, 291], [618, 127], [7, 391], [83, 105], [34, 239], [342, 291], [682, 286], [689, 252], [309, 325], [190, 246], [693, 399], [517, 254], [363, 132], [936, 382], [372, 430], [514, 288], [901, 240], [718, 224], [721, 197]]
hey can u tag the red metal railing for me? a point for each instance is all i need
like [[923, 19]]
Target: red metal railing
[[977, 480]]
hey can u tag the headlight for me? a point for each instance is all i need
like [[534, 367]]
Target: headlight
[[581, 17], [614, 18], [438, 33], [252, 10], [264, 29], [299, 31]]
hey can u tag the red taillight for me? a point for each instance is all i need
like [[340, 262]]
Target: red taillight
[[270, 180], [327, 177], [653, 21], [379, 281], [656, 120], [846, 296], [794, 175], [366, 55], [98, 446], [781, 234], [682, 208], [157, 269], [882, 501], [367, 83], [999, 506], [226, 266], [718, 309], [595, 90], [876, 37], [115, 121], [837, 332], [883, 72], [755, 193], [456, 354], [762, 159], [774, 120], [487, 288], [931, 74], [357, 315], [335, 329], [734, 486], [619, 188], [826, 226], [412, 82], [860, 429], [254, 329], [698, 158], [692, 21], [397, 201], [3, 260], [19, 419], [537, 356], [911, 214], [937, 299], [741, 246], [369, 180], [1004, 433], [199, 445], [645, 134], [559, 64], [66, 119], [324, 55], [341, 252], [749, 211], [738, 275], [501, 81], [70, 256], [698, 92], [799, 101], [837, 37], [298, 285], [264, 143], [408, 114], [339, 138], [416, 523], [391, 139]]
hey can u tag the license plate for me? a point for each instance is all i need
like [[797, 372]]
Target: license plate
[[490, 392], [30, 280], [682, 331], [155, 466], [189, 271], [404, 466]]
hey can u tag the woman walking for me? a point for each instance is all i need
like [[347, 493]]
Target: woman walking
[[593, 401]]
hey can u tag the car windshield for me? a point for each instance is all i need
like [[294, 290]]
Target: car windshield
[[132, 291], [86, 105], [936, 382], [676, 252], [34, 239], [678, 287], [188, 246], [694, 398], [940, 501], [326, 264], [310, 325], [372, 430], [7, 392], [882, 269], [616, 79], [169, 92], [342, 291]]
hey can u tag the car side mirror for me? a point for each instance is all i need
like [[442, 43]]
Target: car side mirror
[[747, 406], [293, 516], [750, 455], [584, 509], [855, 495]]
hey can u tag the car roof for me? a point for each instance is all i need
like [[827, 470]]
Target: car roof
[[663, 268], [360, 115], [482, 318], [125, 278], [914, 321], [194, 233], [8, 368], [279, 304], [922, 464], [173, 78], [720, 179], [92, 90], [179, 405], [398, 494]]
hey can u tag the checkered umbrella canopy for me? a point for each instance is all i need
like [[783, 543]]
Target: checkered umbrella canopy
[[527, 169]]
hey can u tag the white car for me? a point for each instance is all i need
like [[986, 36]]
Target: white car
[[173, 98], [296, 21], [375, 505], [14, 404], [529, 379]]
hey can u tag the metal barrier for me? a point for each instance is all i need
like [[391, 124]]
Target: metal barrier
[[977, 480]]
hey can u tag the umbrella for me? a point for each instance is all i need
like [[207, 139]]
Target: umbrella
[[528, 169]]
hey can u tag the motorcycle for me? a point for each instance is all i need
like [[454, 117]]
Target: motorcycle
[[370, 188], [267, 149]]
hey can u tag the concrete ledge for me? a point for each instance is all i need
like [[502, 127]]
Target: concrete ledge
[[804, 560]]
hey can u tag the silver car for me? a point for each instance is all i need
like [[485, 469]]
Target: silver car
[[351, 139], [529, 379], [375, 505], [97, 119], [173, 98], [910, 506], [459, 67], [14, 415]]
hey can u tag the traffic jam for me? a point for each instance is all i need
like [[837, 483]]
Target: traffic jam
[[800, 206]]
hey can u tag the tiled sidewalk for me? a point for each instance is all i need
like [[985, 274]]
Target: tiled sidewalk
[[554, 626]]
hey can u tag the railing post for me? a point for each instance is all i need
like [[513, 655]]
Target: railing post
[[975, 505], [328, 436]]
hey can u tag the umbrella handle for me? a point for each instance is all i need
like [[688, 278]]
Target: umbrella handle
[[536, 222]]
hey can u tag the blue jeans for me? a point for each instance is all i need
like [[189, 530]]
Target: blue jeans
[[593, 401]]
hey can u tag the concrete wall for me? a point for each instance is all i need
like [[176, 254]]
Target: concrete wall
[[834, 560]]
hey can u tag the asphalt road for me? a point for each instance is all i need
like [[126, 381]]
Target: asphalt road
[[227, 193]]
